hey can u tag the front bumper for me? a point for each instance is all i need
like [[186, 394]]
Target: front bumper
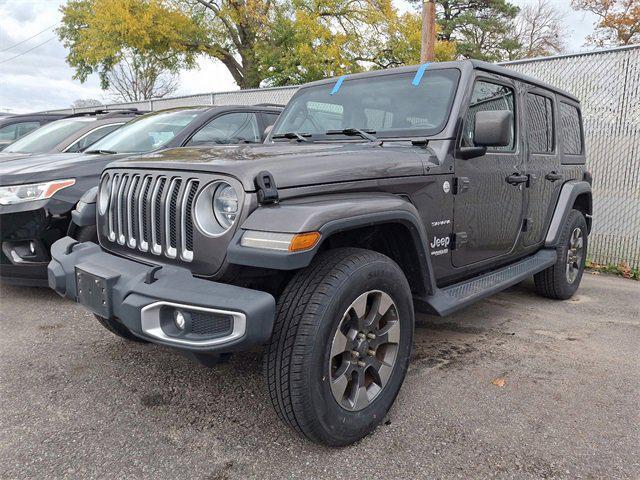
[[140, 295]]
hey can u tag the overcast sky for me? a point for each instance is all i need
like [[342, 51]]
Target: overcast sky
[[38, 77]]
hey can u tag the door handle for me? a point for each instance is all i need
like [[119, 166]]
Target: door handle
[[553, 176], [517, 179]]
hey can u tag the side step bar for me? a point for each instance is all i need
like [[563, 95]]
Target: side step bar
[[455, 297]]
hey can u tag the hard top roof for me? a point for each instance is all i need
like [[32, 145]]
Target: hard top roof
[[460, 64]]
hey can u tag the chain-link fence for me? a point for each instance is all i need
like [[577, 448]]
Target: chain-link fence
[[607, 82], [608, 86]]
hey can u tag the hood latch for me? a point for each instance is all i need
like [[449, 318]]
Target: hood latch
[[267, 190]]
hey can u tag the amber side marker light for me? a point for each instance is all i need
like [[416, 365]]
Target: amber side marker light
[[304, 241]]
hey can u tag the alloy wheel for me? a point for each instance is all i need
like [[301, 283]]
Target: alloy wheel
[[364, 350]]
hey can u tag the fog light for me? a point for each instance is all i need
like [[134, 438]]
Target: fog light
[[179, 319], [32, 248]]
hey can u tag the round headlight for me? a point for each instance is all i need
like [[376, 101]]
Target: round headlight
[[225, 205], [103, 194]]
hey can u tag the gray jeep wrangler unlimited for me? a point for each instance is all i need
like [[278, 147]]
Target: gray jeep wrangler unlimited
[[375, 194]]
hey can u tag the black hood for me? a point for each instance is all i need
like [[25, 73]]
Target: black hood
[[53, 166], [291, 164]]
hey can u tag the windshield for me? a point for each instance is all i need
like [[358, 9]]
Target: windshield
[[387, 105], [45, 139], [147, 133]]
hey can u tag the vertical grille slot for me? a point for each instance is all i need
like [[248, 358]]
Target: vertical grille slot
[[156, 210], [152, 213], [143, 227], [187, 220], [120, 209], [132, 213]]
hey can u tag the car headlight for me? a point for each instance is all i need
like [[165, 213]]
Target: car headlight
[[12, 194], [225, 205]]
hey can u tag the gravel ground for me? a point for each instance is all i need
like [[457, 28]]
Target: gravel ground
[[515, 387]]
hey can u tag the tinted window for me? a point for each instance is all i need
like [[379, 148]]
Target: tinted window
[[92, 137], [270, 118], [540, 123], [239, 127], [46, 138], [17, 130], [390, 105], [570, 128], [147, 133], [488, 96]]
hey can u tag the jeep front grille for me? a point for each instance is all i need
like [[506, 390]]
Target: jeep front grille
[[152, 213]]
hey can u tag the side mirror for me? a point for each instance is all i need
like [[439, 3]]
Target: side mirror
[[493, 128]]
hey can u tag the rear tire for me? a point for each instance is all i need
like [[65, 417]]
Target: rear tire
[[561, 280], [329, 334], [117, 328]]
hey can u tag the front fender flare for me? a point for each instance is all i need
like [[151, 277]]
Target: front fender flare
[[328, 214]]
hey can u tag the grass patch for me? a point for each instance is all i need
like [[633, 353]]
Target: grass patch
[[622, 269]]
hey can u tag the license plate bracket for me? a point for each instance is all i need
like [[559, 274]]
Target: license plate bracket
[[94, 292]]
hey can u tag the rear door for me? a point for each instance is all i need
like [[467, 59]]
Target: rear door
[[543, 162], [487, 209]]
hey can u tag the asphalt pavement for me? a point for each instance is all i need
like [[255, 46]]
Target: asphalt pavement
[[517, 386]]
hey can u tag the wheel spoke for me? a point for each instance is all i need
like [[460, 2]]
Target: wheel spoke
[[360, 309], [339, 345], [382, 371], [339, 385]]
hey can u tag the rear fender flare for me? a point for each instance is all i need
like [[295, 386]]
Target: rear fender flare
[[571, 190]]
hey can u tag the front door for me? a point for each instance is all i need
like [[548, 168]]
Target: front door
[[487, 208]]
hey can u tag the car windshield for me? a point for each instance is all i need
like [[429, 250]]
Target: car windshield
[[392, 105], [45, 138], [147, 133]]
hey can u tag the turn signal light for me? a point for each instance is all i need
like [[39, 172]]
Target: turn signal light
[[304, 241]]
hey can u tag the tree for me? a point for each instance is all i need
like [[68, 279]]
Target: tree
[[261, 42], [539, 31], [618, 24], [481, 29], [139, 77]]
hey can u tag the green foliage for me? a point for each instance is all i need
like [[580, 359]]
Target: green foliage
[[261, 42], [481, 29]]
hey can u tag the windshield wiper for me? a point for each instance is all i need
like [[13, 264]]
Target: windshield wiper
[[366, 134], [301, 137], [103, 152]]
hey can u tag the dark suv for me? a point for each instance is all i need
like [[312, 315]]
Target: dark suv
[[38, 193], [424, 187]]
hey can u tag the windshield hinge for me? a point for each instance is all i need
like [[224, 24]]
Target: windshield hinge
[[267, 190], [460, 184]]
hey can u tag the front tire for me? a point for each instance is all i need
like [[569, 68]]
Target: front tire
[[561, 280], [340, 346]]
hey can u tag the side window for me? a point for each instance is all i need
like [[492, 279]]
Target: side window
[[488, 96], [570, 128], [239, 127], [92, 137], [17, 130], [540, 123], [270, 118]]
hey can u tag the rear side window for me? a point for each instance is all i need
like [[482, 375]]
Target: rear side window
[[540, 123], [571, 130], [488, 96]]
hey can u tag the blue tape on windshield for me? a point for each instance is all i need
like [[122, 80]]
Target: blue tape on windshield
[[419, 74], [338, 84]]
